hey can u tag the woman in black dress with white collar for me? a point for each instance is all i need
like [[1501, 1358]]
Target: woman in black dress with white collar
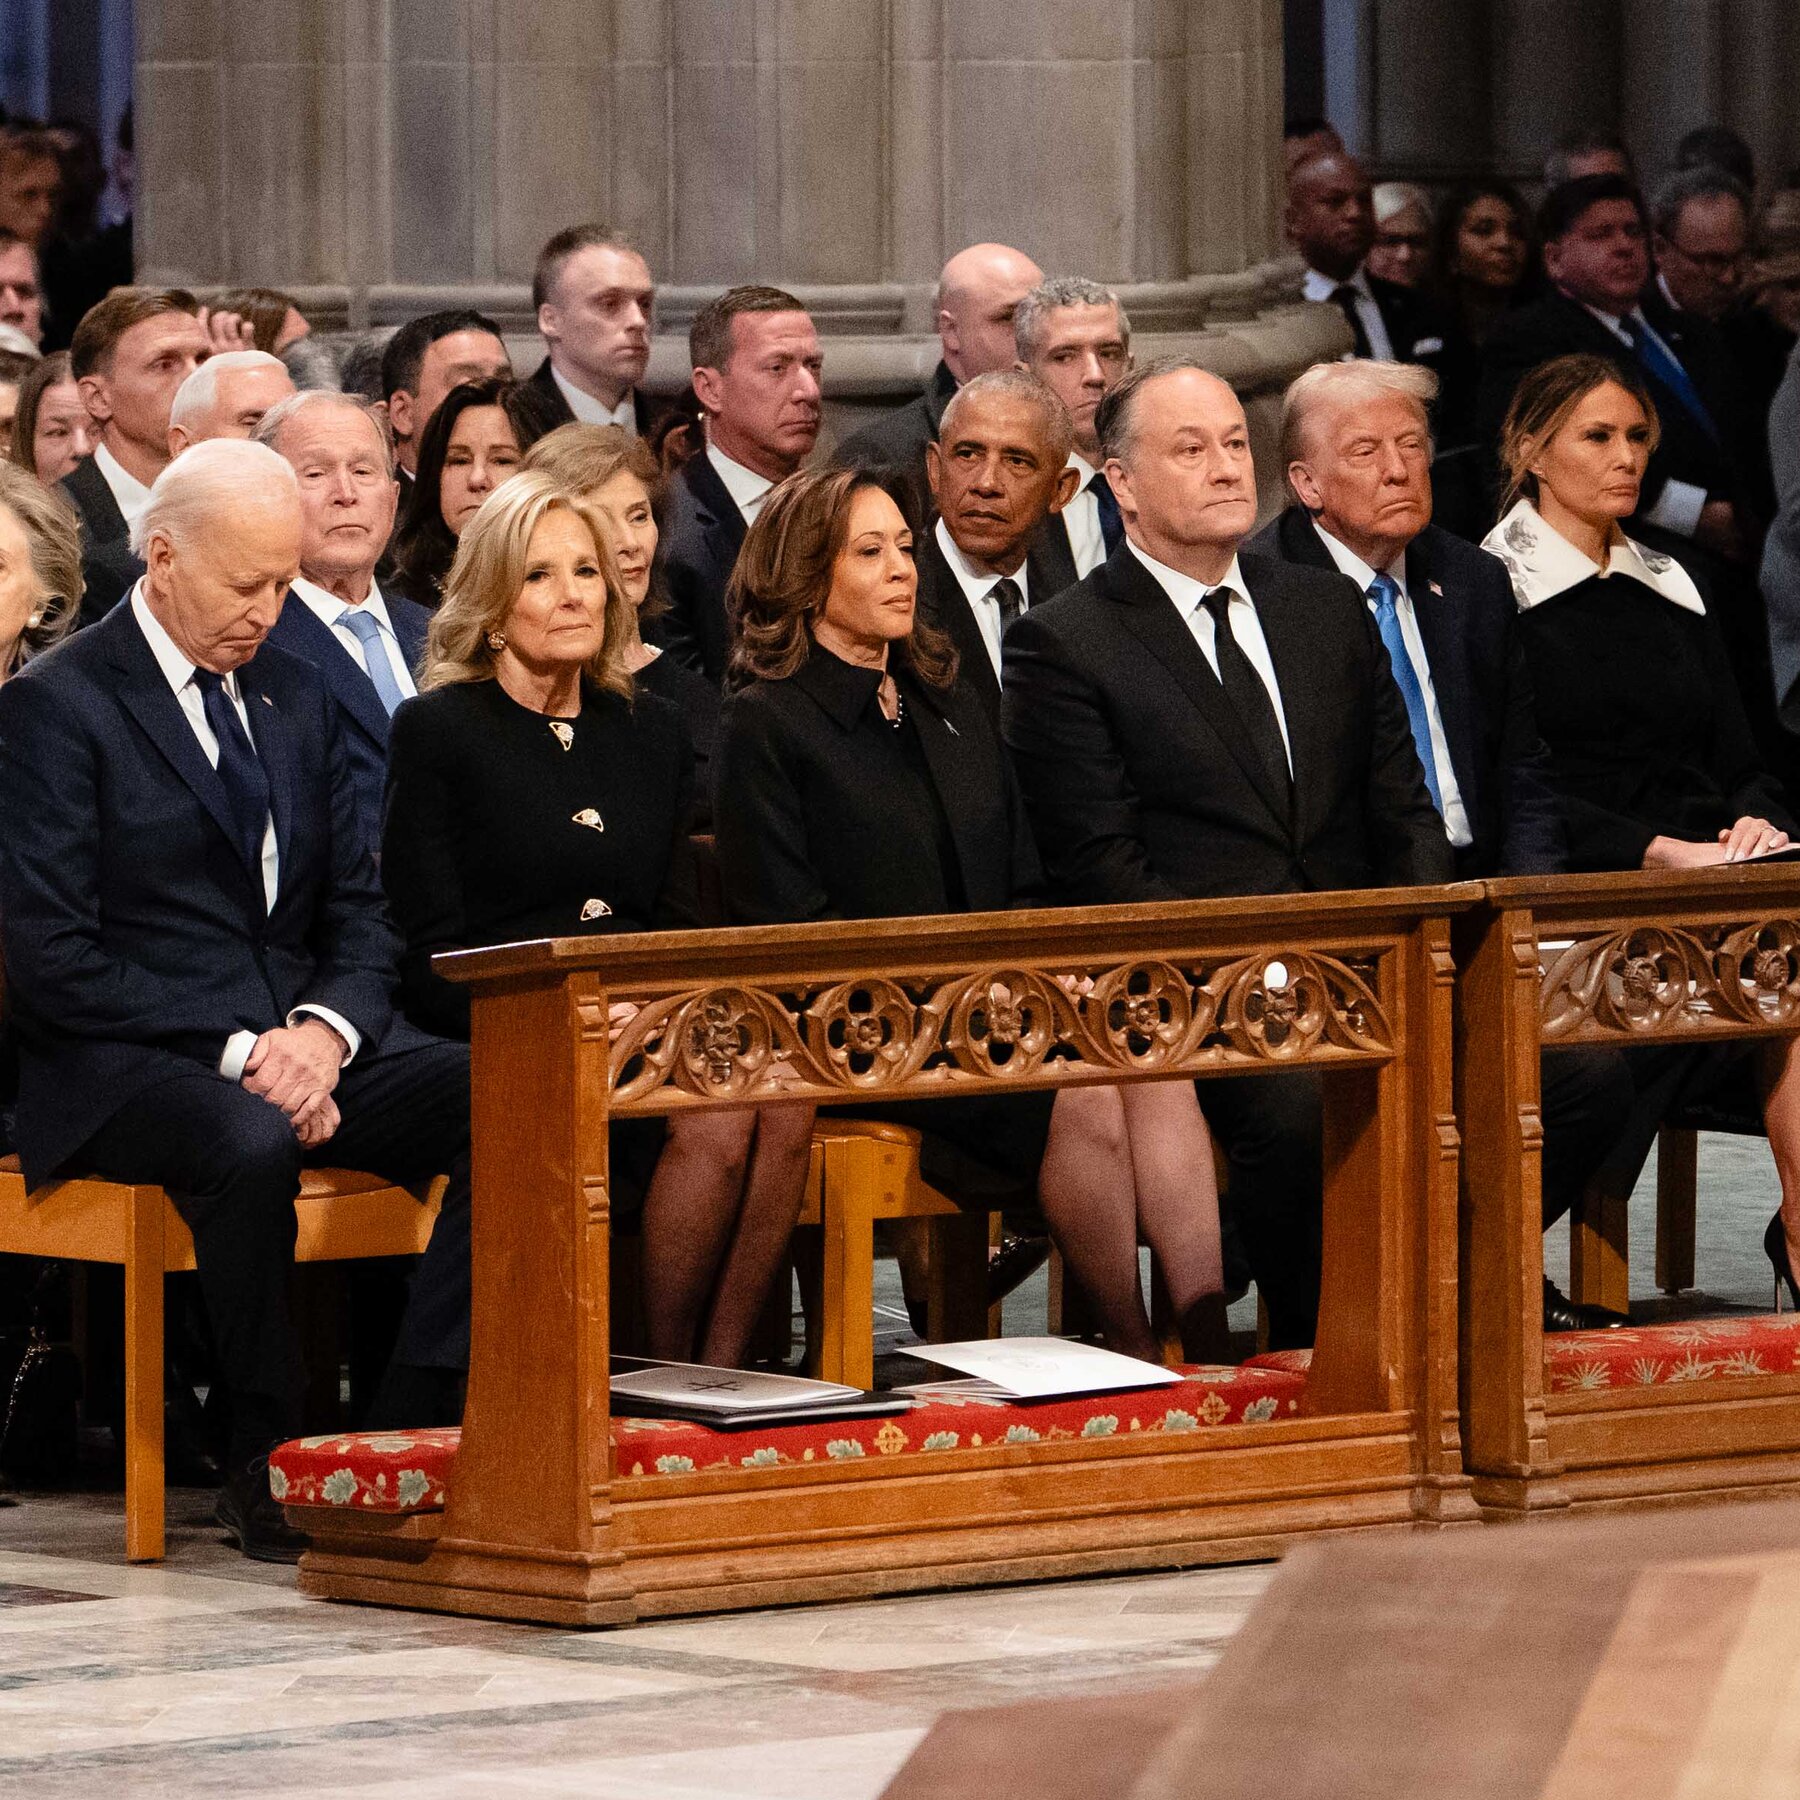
[[531, 793], [859, 779], [1649, 746]]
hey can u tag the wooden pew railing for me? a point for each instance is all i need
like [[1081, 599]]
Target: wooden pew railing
[[1679, 958], [1356, 987]]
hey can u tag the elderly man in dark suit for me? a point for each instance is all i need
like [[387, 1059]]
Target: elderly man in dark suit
[[756, 362], [977, 294], [997, 472], [1356, 447], [1186, 722], [366, 644], [198, 961]]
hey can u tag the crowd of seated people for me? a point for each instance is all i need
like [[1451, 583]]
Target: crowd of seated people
[[318, 658]]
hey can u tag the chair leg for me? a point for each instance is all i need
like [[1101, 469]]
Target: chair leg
[[1677, 1183], [144, 1378], [847, 1299], [1600, 1251]]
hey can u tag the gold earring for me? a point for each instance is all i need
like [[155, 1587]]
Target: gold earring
[[496, 640]]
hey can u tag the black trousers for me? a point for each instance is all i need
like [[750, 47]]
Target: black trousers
[[1587, 1100], [1272, 1130], [231, 1164]]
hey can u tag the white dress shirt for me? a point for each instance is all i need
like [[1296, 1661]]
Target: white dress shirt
[[1315, 286], [331, 612], [130, 493], [745, 486], [178, 671], [1087, 544], [978, 588], [1186, 595], [589, 410], [1456, 815], [1679, 505]]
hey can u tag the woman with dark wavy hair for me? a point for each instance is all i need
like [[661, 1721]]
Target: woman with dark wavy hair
[[859, 779]]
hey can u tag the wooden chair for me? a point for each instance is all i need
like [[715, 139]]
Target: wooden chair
[[343, 1217]]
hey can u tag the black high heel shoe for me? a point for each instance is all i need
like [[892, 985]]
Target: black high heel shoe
[[1775, 1248]]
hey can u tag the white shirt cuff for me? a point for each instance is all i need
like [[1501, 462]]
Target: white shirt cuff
[[338, 1023], [1678, 508], [237, 1052]]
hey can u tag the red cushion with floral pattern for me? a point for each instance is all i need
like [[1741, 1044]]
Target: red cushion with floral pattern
[[1661, 1355], [400, 1472]]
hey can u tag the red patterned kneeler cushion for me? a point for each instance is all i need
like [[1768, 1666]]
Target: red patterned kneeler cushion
[[1645, 1355], [1660, 1355], [401, 1472]]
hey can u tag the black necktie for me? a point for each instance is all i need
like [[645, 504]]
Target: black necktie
[[1245, 690], [240, 768], [1112, 526], [1346, 297], [1005, 594]]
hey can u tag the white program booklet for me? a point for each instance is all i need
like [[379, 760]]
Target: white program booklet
[[1042, 1368], [698, 1388]]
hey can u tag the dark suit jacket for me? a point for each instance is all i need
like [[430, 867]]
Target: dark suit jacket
[[897, 440], [1050, 560], [101, 520], [108, 568], [555, 410], [300, 632], [1137, 775], [108, 573], [808, 826], [134, 929], [945, 605], [1559, 326], [702, 531], [1469, 624]]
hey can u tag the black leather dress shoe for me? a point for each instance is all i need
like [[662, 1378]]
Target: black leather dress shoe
[[249, 1515], [1563, 1314]]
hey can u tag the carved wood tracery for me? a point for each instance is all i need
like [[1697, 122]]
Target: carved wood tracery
[[1017, 1023], [1671, 980]]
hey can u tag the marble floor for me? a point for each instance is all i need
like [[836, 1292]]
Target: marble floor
[[208, 1675]]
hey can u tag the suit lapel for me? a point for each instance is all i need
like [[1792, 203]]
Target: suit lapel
[[1151, 617], [149, 699], [1286, 631], [950, 612], [269, 733], [95, 501], [721, 524], [1445, 651], [1050, 561], [315, 641], [947, 751]]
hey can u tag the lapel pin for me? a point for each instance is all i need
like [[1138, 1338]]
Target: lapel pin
[[590, 818], [1435, 589], [951, 729]]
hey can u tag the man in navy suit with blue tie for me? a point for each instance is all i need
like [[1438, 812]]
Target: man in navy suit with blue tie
[[199, 963], [1356, 447], [364, 643]]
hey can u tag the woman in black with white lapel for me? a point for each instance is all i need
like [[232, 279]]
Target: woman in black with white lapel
[[532, 793], [1650, 750], [859, 779]]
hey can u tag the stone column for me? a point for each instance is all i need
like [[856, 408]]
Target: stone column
[[1430, 86], [1672, 68]]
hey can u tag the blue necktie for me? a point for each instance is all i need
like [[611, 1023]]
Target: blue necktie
[[1660, 362], [1112, 525], [366, 629], [1385, 592], [241, 773]]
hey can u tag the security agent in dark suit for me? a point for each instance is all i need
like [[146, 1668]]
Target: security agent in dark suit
[[998, 472], [1187, 723], [1356, 447], [595, 303], [756, 362], [198, 960], [364, 643], [977, 293]]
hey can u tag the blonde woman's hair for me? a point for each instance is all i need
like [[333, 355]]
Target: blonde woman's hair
[[53, 535], [1544, 403], [586, 457], [484, 582]]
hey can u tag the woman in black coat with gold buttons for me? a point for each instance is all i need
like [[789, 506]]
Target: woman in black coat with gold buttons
[[858, 778], [532, 793]]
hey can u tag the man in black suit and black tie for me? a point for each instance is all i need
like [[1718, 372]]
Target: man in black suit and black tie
[[1073, 335], [596, 305], [1356, 448], [1186, 723], [757, 362], [366, 644], [978, 292], [199, 964], [997, 472]]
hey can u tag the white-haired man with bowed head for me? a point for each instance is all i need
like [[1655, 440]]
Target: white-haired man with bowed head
[[199, 966]]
